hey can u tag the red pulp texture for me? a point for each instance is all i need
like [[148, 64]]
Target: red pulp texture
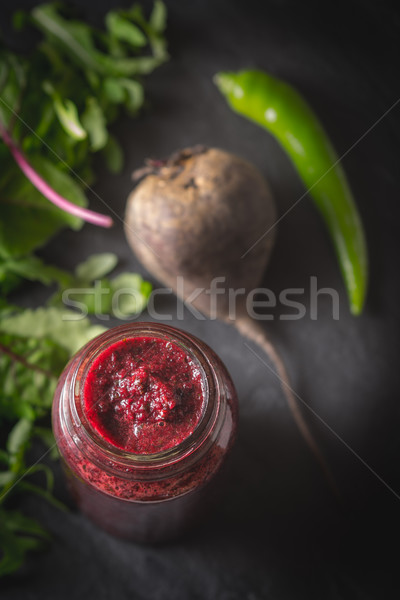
[[144, 395]]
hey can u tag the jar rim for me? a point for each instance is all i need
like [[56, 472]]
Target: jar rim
[[108, 451]]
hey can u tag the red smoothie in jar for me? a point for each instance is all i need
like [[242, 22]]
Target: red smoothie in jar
[[144, 417], [144, 395]]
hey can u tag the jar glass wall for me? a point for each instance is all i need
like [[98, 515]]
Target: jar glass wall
[[146, 497]]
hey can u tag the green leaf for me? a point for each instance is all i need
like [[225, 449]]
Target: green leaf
[[33, 269], [127, 67], [19, 19], [8, 280], [18, 535], [134, 94], [16, 522], [29, 369], [113, 90], [8, 99], [130, 294], [70, 87], [6, 477], [95, 124], [3, 457], [76, 40], [65, 327], [23, 205], [72, 37], [124, 30], [153, 28], [126, 91], [19, 436], [68, 116], [125, 295], [146, 288], [113, 155], [158, 17], [96, 299], [128, 290], [33, 142], [4, 71], [96, 266], [12, 87]]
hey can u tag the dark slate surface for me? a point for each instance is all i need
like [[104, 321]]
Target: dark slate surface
[[279, 534]]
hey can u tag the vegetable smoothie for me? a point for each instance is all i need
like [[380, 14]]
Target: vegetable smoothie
[[144, 395], [144, 417]]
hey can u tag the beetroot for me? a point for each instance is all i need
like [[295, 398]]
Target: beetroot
[[196, 215]]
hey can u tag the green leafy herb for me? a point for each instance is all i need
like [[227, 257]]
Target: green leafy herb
[[67, 114], [18, 534], [82, 78], [133, 294], [34, 348], [92, 292], [124, 30], [23, 205], [96, 266], [113, 155], [35, 345], [53, 324]]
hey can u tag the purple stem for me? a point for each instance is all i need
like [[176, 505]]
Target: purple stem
[[47, 191]]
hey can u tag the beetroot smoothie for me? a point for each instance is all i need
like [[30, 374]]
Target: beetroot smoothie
[[144, 395], [144, 416]]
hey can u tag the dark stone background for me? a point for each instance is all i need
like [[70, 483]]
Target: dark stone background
[[279, 534]]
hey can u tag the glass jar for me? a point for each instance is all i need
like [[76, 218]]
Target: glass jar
[[144, 497]]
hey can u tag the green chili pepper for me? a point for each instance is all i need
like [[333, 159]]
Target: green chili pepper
[[282, 111]]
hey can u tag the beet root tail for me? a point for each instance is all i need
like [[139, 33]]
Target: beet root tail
[[252, 331]]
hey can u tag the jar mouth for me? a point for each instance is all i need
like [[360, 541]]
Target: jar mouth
[[110, 451]]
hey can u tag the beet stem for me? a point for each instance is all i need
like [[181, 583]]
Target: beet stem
[[47, 191]]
